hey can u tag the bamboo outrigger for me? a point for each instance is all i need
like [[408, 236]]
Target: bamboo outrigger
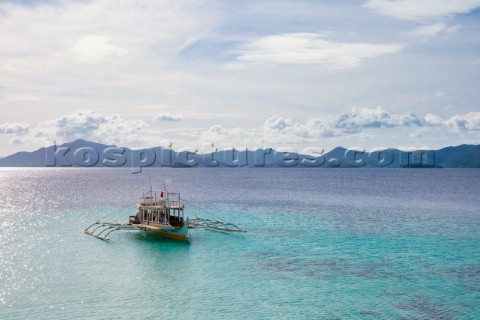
[[218, 225], [160, 214]]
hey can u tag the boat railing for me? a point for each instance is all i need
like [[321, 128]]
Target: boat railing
[[148, 202], [175, 203], [166, 203]]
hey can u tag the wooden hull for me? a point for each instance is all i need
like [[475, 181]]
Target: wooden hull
[[169, 233]]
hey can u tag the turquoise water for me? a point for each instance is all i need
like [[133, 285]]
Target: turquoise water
[[321, 244]]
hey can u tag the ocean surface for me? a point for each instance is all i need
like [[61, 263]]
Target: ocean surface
[[321, 244]]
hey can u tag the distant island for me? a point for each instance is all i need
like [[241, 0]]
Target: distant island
[[82, 153]]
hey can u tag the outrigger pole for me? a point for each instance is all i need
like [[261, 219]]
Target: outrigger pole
[[109, 227], [215, 225], [105, 228]]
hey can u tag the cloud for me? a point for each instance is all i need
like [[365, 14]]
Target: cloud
[[352, 123], [18, 130], [432, 30], [95, 49], [211, 115], [229, 138], [361, 118], [420, 10], [166, 117], [13, 128], [17, 141], [452, 29], [277, 123], [357, 123], [86, 124], [428, 30], [465, 122], [459, 122], [433, 120], [310, 129], [110, 55], [51, 33], [277, 129], [280, 130], [310, 48], [316, 128], [217, 130], [274, 131]]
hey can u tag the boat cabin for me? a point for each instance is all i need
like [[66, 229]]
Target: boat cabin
[[160, 209]]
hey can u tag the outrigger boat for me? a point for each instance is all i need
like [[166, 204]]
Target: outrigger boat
[[161, 214]]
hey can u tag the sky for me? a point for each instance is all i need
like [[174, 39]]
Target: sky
[[232, 74]]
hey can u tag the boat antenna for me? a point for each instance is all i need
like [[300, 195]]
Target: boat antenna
[[150, 182]]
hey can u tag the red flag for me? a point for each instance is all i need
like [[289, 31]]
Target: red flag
[[161, 194]]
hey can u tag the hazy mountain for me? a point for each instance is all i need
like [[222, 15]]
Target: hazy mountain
[[463, 156], [82, 153]]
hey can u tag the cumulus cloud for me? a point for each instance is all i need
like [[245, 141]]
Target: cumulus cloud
[[13, 128], [217, 130], [360, 118], [363, 118], [315, 128], [424, 9], [166, 117], [347, 123], [433, 120], [86, 124], [277, 123], [310, 48], [17, 130], [275, 130], [312, 128], [465, 122]]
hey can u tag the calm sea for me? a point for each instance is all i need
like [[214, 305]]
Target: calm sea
[[321, 244]]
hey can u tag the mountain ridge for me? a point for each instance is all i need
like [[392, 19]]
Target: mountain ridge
[[83, 153]]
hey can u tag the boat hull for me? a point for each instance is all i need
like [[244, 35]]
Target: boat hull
[[169, 233]]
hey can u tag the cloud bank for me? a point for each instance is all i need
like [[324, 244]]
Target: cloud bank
[[113, 129], [351, 123]]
